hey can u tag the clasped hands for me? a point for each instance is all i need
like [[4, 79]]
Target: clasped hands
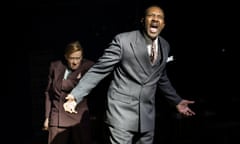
[[70, 104]]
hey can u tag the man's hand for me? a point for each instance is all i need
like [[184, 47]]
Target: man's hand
[[70, 104], [183, 108]]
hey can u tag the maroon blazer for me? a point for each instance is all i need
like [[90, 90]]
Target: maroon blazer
[[58, 88]]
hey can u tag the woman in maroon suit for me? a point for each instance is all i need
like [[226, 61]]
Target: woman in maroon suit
[[64, 127]]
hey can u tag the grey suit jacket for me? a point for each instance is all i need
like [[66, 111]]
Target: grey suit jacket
[[131, 94]]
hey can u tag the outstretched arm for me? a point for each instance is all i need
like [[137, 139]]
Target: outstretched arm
[[104, 66]]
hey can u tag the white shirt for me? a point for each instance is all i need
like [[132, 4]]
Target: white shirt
[[149, 44], [67, 72]]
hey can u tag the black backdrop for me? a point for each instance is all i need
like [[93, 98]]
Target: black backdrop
[[203, 39]]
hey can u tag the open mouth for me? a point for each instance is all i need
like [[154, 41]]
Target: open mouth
[[153, 27]]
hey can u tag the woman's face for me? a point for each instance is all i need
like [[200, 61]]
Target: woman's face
[[74, 60]]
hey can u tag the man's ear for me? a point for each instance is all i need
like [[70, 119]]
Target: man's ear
[[163, 25]]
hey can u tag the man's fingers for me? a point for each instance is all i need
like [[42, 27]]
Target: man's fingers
[[69, 107], [65, 106], [74, 111], [69, 97]]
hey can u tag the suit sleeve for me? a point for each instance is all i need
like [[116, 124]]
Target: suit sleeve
[[168, 90], [48, 92], [71, 82], [103, 67]]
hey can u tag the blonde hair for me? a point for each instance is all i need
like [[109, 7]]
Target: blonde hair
[[72, 47]]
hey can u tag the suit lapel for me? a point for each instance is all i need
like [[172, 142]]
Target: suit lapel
[[61, 70], [141, 53], [59, 74], [161, 53], [140, 50]]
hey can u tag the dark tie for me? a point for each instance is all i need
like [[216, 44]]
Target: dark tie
[[153, 55]]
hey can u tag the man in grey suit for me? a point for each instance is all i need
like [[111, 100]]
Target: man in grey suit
[[130, 111]]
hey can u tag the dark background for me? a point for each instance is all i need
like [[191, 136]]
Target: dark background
[[203, 37]]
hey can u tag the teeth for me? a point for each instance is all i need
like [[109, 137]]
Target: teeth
[[154, 24], [153, 29]]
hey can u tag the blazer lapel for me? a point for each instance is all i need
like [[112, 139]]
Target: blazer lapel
[[141, 53], [161, 53]]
